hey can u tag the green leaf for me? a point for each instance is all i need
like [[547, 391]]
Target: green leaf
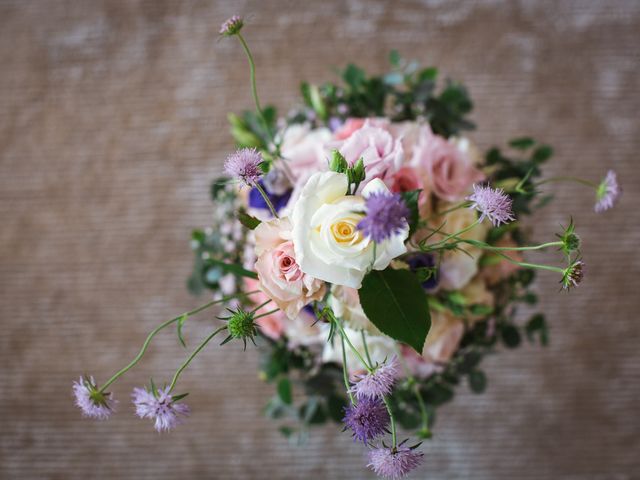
[[234, 268], [537, 324], [395, 302], [510, 336], [394, 58], [284, 391], [411, 200], [477, 381], [542, 153], [181, 321], [247, 220], [522, 143]]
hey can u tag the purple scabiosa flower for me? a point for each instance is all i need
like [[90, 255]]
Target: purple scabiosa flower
[[492, 203], [395, 462], [231, 26], [425, 265], [386, 215], [92, 402], [161, 406], [244, 165], [607, 193], [368, 419], [377, 383], [573, 275]]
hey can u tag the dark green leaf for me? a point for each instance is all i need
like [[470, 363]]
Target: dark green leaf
[[411, 200], [247, 220], [522, 143], [542, 153], [510, 336], [395, 302], [284, 391], [394, 58], [477, 381]]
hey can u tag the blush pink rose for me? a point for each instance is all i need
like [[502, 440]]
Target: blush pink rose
[[304, 151], [279, 275], [351, 125], [382, 152], [447, 165]]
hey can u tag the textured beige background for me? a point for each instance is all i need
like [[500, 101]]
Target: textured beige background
[[112, 123]]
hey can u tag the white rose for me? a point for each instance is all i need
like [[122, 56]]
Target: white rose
[[327, 242], [345, 303], [380, 348]]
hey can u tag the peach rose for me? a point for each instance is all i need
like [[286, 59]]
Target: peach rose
[[447, 165], [345, 303], [279, 275]]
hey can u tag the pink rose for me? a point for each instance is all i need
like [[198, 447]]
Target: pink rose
[[381, 152], [351, 125], [279, 275], [304, 151], [447, 165]]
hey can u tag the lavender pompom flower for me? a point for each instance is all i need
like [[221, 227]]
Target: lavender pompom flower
[[368, 419], [386, 215], [378, 383], [232, 26], [492, 203], [395, 462], [92, 402], [244, 165], [607, 193], [161, 406]]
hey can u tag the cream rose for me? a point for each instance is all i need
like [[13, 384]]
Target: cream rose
[[327, 242], [279, 274]]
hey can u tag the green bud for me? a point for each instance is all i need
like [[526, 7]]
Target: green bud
[[358, 170], [241, 325], [338, 162], [570, 240]]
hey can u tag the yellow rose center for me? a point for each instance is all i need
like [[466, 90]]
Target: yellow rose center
[[345, 231]]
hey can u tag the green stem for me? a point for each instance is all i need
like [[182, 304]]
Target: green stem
[[345, 375], [453, 235], [343, 334], [416, 390], [486, 246], [366, 348], [254, 90], [271, 312], [531, 265], [261, 305], [393, 422], [266, 199], [567, 179], [153, 333], [192, 356], [449, 210]]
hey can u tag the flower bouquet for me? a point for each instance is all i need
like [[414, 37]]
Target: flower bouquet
[[372, 254]]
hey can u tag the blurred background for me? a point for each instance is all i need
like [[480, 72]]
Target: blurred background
[[112, 125]]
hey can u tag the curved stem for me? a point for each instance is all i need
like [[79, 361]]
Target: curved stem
[[254, 90], [393, 422], [567, 179], [436, 245], [345, 375], [416, 390], [153, 333], [266, 199], [486, 246], [271, 312], [192, 356], [343, 334], [366, 348], [531, 265], [458, 206]]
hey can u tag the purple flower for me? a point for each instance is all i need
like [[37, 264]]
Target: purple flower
[[426, 264], [377, 383], [244, 165], [92, 402], [279, 201], [386, 215], [161, 406], [492, 203], [231, 26], [368, 419], [394, 462], [608, 192]]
